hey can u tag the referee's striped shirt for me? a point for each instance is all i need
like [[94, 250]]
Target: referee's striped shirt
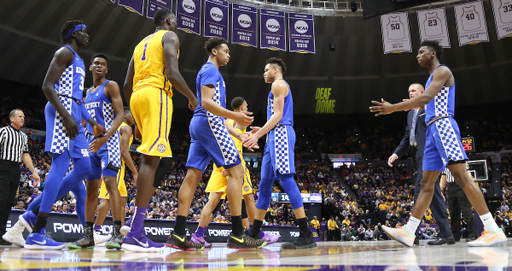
[[449, 176], [13, 143]]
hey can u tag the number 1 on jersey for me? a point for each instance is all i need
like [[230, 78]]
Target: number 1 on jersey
[[144, 53]]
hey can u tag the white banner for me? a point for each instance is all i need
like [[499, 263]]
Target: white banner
[[396, 36], [432, 25], [503, 16], [471, 23]]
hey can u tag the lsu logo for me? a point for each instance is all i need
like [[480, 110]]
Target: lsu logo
[[246, 188], [301, 27], [216, 14], [273, 25], [189, 6], [161, 148], [244, 20], [315, 234]]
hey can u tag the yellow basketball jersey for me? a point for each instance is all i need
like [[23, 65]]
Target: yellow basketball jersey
[[131, 136], [149, 63]]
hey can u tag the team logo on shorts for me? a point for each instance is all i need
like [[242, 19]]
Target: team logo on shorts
[[246, 188], [161, 148], [85, 152]]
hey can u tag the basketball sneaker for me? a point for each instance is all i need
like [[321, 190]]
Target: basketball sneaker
[[489, 238], [100, 239], [15, 235], [301, 243], [245, 241], [125, 229], [117, 238], [196, 239], [85, 242], [28, 220], [269, 238], [138, 241], [42, 241], [182, 242], [400, 234]]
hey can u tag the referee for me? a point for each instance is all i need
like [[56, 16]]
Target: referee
[[458, 202], [13, 151]]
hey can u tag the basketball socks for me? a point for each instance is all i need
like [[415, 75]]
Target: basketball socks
[[138, 219], [489, 222], [200, 231], [238, 229], [89, 224], [40, 224], [97, 228], [179, 228], [412, 225], [303, 227], [255, 229]]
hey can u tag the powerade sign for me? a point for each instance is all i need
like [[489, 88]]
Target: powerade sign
[[216, 19]]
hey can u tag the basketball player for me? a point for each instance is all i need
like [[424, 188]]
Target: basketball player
[[209, 133], [65, 138], [443, 148], [278, 158], [152, 72], [103, 101], [126, 134], [217, 188]]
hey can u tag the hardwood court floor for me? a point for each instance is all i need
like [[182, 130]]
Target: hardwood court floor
[[354, 256]]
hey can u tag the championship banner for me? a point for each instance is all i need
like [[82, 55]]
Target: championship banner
[[136, 6], [502, 10], [188, 14], [471, 23], [273, 29], [396, 36], [155, 5], [216, 19], [433, 26], [244, 25], [302, 33]]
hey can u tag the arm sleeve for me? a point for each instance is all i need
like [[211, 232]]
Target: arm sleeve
[[85, 113]]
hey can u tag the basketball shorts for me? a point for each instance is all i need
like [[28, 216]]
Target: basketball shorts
[[57, 140], [279, 155], [107, 160], [152, 110], [219, 183], [210, 140], [443, 146], [120, 185]]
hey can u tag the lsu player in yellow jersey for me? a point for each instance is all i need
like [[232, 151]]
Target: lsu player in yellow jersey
[[152, 72], [218, 183], [126, 133]]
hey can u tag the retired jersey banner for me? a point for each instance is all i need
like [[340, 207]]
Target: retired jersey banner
[[471, 23], [396, 36], [155, 5], [136, 6], [188, 13], [216, 19], [432, 25], [244, 25], [302, 32], [503, 16], [272, 29]]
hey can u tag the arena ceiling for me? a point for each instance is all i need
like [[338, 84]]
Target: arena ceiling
[[349, 57]]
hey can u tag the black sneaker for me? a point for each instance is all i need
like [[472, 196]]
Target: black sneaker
[[86, 242], [245, 241], [117, 238], [183, 242], [301, 243]]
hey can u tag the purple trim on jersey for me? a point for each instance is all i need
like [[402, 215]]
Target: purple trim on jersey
[[159, 126], [166, 114]]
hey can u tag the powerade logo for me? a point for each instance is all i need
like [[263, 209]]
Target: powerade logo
[[244, 20], [273, 233], [217, 233], [294, 234], [158, 231], [216, 14], [273, 25], [189, 6], [301, 27], [67, 227]]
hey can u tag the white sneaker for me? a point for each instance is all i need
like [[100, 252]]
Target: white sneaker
[[15, 235], [400, 234], [125, 229], [489, 238], [101, 239]]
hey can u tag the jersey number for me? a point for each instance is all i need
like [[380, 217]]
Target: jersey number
[[82, 83], [470, 16], [507, 8], [92, 112], [432, 22], [395, 26], [144, 53]]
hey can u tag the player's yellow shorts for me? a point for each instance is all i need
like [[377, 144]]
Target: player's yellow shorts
[[219, 183], [120, 185], [152, 110]]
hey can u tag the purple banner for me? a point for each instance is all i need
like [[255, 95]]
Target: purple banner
[[189, 15], [155, 5], [216, 19], [302, 33], [244, 25], [136, 6], [273, 29]]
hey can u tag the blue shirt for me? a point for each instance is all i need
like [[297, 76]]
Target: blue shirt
[[100, 107], [443, 104], [287, 118], [210, 75]]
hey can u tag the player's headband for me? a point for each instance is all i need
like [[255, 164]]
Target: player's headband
[[76, 28]]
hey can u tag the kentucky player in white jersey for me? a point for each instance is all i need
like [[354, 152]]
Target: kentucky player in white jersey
[[443, 148], [65, 138]]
